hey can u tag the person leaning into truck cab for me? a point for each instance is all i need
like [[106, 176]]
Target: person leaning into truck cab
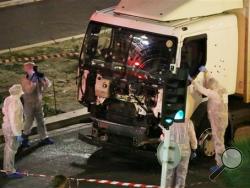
[[12, 129], [33, 84], [184, 135], [217, 108]]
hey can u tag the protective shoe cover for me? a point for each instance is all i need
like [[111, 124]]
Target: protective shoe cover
[[217, 108], [12, 126], [214, 168], [47, 141], [25, 142], [184, 135], [15, 175]]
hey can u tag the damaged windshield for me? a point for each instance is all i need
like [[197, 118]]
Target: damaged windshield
[[107, 46]]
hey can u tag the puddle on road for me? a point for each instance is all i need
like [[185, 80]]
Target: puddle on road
[[68, 140], [60, 154]]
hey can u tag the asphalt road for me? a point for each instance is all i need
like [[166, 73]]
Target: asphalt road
[[73, 158], [46, 20]]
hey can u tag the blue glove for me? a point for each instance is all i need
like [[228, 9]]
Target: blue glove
[[19, 139], [193, 155], [202, 69], [190, 78]]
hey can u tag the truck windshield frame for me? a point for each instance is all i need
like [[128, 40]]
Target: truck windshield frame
[[127, 50]]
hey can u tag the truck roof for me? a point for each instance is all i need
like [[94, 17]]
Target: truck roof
[[167, 10], [108, 16]]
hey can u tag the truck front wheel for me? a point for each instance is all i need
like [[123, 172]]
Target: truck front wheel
[[206, 144]]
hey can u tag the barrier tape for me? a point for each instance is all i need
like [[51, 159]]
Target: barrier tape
[[39, 57], [117, 183], [29, 174], [97, 181]]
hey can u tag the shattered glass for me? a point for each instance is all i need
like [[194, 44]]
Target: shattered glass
[[111, 46]]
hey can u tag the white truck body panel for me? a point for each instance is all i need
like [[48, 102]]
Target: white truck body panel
[[109, 17], [167, 10], [222, 53], [222, 66]]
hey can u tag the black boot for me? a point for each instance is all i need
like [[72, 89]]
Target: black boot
[[47, 141], [25, 142]]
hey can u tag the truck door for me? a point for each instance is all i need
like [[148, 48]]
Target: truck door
[[194, 53]]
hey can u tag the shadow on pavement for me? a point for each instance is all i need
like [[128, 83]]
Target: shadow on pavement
[[131, 167], [120, 166], [24, 152], [21, 153]]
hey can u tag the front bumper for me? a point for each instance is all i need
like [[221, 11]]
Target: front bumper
[[126, 135], [121, 129]]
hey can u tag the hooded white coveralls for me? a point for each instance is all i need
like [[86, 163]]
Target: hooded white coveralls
[[184, 135], [32, 98], [12, 126], [217, 108]]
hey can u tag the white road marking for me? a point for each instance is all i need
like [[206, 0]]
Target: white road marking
[[41, 44], [16, 2]]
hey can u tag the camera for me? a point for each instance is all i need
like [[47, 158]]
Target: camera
[[39, 75]]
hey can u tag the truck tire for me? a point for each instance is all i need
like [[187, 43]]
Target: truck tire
[[204, 137]]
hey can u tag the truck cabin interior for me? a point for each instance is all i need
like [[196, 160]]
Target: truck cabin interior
[[194, 54]]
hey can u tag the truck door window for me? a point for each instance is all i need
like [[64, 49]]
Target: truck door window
[[194, 53]]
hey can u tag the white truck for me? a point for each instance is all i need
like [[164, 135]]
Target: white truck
[[128, 47]]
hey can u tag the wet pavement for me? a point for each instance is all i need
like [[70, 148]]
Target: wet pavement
[[46, 20], [73, 158]]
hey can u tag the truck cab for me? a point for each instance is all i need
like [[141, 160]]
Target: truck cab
[[128, 48]]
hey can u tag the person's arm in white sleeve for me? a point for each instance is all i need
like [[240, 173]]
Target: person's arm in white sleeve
[[15, 113], [192, 135], [198, 87], [4, 110]]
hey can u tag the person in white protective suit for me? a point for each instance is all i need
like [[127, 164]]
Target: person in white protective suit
[[217, 108], [184, 135], [33, 84], [12, 129]]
